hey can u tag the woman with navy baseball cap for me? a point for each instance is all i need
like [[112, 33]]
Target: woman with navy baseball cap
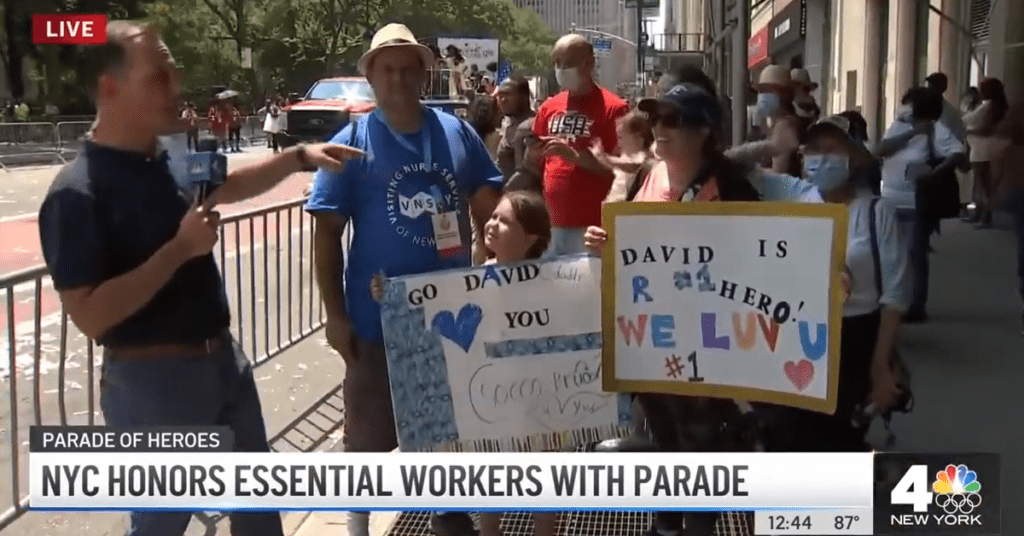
[[686, 120]]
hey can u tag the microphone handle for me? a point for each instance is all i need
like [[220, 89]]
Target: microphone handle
[[202, 192]]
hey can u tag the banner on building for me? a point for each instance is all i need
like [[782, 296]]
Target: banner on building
[[737, 300], [757, 48], [481, 54], [500, 358]]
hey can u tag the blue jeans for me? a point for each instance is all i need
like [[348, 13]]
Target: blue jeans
[[566, 241], [916, 235], [188, 390]]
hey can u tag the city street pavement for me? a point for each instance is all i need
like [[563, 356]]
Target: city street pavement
[[22, 191], [967, 363], [968, 360]]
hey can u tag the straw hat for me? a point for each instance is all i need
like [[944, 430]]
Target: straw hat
[[773, 77], [802, 78], [394, 35]]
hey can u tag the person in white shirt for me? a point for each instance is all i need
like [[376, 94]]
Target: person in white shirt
[[950, 115], [915, 147], [984, 145], [878, 294]]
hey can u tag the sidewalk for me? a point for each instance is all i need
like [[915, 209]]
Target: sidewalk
[[966, 365]]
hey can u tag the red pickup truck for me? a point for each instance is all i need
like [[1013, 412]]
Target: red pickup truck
[[332, 102], [327, 107]]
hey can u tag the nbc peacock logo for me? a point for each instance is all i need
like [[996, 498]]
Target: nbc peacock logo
[[957, 490]]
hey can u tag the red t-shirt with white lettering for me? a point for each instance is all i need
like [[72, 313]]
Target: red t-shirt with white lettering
[[573, 194]]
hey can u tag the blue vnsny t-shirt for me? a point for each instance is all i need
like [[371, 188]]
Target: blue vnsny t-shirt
[[390, 198]]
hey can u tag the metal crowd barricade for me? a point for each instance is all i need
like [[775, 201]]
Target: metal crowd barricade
[[71, 134], [439, 85], [252, 130], [265, 256], [28, 143]]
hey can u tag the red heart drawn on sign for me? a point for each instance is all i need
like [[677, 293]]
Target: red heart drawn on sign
[[800, 373]]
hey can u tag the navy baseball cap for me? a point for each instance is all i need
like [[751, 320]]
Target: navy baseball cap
[[694, 105]]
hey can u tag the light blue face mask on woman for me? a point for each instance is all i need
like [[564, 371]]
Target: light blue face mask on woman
[[827, 171]]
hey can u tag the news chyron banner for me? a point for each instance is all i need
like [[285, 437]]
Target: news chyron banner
[[98, 468]]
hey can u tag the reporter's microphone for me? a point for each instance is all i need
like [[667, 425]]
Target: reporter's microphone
[[207, 169]]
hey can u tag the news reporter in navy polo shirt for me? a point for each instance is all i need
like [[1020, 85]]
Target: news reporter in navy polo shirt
[[133, 265], [410, 203]]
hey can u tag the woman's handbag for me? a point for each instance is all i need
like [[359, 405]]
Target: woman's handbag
[[938, 194]]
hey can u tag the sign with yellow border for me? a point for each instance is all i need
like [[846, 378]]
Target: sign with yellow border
[[727, 300]]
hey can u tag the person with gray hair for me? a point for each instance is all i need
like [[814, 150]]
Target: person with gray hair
[[879, 292]]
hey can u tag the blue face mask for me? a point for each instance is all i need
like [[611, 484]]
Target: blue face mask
[[768, 104], [827, 171]]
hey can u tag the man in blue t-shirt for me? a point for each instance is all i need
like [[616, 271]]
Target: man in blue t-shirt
[[409, 201]]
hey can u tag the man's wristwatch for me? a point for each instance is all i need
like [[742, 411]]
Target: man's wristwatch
[[300, 153]]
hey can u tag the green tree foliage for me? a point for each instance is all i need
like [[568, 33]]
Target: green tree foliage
[[206, 54], [293, 42]]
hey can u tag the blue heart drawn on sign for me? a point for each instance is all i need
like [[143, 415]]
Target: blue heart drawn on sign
[[461, 330]]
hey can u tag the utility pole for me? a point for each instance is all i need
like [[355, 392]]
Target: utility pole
[[721, 67], [641, 45], [740, 72]]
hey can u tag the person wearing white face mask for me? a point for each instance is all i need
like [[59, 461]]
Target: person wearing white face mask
[[879, 292], [917, 149], [571, 127]]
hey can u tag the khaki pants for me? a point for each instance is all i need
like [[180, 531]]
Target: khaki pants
[[369, 415]]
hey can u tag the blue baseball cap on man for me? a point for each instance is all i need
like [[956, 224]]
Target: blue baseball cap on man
[[693, 105]]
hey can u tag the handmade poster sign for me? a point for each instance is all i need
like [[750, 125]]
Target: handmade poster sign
[[733, 300], [500, 358]]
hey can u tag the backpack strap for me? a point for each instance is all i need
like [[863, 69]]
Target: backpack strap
[[875, 254], [638, 180]]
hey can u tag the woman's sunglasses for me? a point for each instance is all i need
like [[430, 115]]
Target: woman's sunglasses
[[671, 120], [667, 120]]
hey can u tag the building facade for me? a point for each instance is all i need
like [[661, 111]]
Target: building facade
[[882, 48], [617, 66]]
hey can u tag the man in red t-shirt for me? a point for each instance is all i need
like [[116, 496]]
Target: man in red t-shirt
[[219, 119], [569, 125]]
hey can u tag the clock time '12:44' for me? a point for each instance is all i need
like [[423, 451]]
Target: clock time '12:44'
[[789, 523]]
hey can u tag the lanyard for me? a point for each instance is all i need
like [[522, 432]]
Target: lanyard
[[404, 141]]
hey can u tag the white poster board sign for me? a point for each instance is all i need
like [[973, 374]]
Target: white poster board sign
[[731, 300], [500, 358], [479, 53]]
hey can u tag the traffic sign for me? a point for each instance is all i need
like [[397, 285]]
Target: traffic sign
[[602, 47]]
